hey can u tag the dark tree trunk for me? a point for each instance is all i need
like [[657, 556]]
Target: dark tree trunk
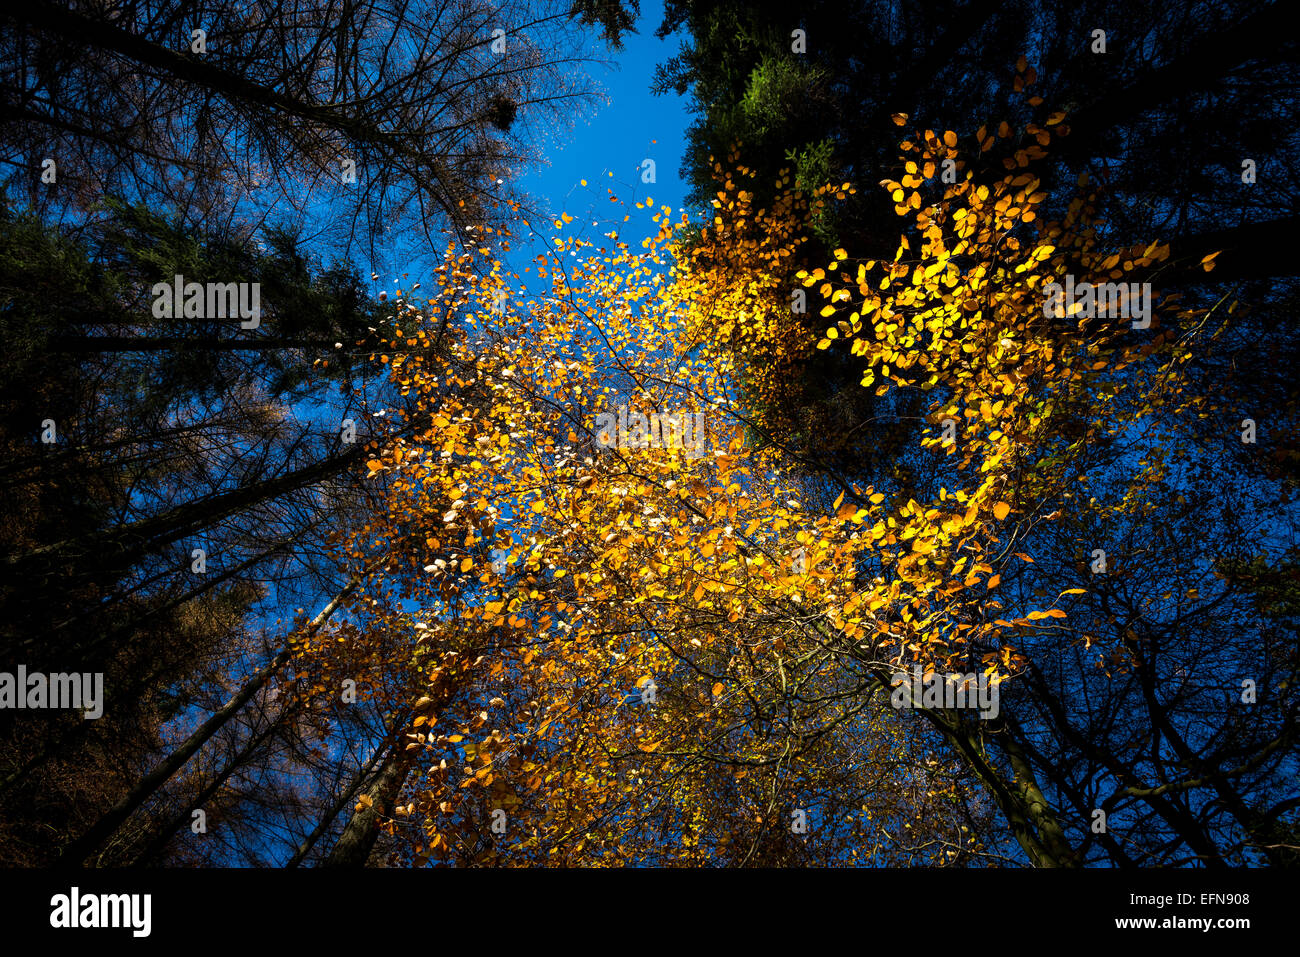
[[79, 850]]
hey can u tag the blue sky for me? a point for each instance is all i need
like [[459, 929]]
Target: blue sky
[[606, 148], [631, 127]]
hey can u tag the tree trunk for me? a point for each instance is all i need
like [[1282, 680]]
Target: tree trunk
[[358, 839], [123, 547], [324, 823], [160, 840], [77, 852]]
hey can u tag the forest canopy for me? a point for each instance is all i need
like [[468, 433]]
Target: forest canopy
[[921, 493]]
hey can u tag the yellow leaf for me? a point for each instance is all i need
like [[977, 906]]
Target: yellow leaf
[[1054, 613], [1001, 510]]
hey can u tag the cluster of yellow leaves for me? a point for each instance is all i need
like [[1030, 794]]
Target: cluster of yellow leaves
[[735, 282], [959, 312], [574, 577]]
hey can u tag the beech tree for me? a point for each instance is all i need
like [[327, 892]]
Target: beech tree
[[683, 641]]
